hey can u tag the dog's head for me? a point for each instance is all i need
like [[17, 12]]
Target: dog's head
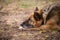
[[35, 20]]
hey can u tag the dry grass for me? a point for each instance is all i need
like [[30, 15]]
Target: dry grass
[[28, 3]]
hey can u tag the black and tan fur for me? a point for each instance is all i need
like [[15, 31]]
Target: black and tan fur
[[36, 20], [53, 17]]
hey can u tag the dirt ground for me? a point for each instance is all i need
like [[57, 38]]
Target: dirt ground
[[12, 15]]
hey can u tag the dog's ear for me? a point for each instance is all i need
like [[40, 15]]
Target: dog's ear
[[37, 14], [36, 9]]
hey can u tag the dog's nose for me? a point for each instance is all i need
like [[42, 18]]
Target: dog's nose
[[26, 25]]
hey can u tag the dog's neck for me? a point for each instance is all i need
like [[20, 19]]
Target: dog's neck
[[47, 10]]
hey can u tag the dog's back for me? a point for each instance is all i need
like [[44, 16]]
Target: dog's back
[[51, 16]]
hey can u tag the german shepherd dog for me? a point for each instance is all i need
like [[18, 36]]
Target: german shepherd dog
[[35, 20], [46, 18]]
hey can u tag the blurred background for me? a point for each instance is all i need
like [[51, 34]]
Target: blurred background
[[26, 3], [14, 12]]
